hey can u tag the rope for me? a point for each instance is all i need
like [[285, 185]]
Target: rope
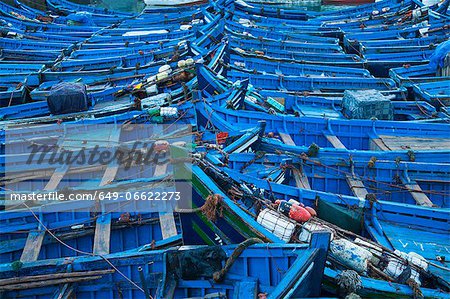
[[219, 275], [417, 293], [304, 157]]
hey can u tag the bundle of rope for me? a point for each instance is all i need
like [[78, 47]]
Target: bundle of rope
[[212, 208], [349, 281]]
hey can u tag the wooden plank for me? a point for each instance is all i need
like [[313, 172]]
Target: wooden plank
[[357, 186], [65, 292], [111, 170], [420, 197], [33, 246], [301, 180], [166, 220], [379, 144], [102, 235], [161, 169], [414, 143], [56, 178], [167, 223], [110, 174], [286, 138], [335, 142]]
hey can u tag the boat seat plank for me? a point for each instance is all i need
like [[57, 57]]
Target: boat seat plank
[[301, 180], [168, 227], [286, 138], [379, 145], [166, 220], [415, 143], [335, 141], [111, 170], [103, 225], [33, 246], [56, 178], [357, 186], [102, 235], [420, 197]]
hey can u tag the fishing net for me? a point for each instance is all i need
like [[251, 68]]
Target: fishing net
[[196, 263]]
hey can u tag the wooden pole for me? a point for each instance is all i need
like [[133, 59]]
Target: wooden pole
[[36, 278]]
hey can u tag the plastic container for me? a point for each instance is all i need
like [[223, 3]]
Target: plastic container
[[276, 223], [395, 268], [374, 249], [309, 228], [165, 69], [169, 111], [284, 207], [190, 62], [353, 256]]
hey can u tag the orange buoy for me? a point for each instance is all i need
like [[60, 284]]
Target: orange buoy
[[299, 214], [311, 211]]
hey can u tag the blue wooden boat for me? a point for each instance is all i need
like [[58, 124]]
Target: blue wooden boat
[[331, 174], [25, 44], [38, 14], [126, 61], [256, 65], [331, 107], [120, 50], [312, 105], [309, 83], [331, 59], [256, 32], [288, 14], [238, 23], [12, 93], [33, 27], [289, 269], [375, 135], [75, 223], [409, 75], [407, 42], [22, 13], [270, 45], [436, 93]]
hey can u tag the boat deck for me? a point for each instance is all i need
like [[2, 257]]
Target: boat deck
[[414, 143]]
